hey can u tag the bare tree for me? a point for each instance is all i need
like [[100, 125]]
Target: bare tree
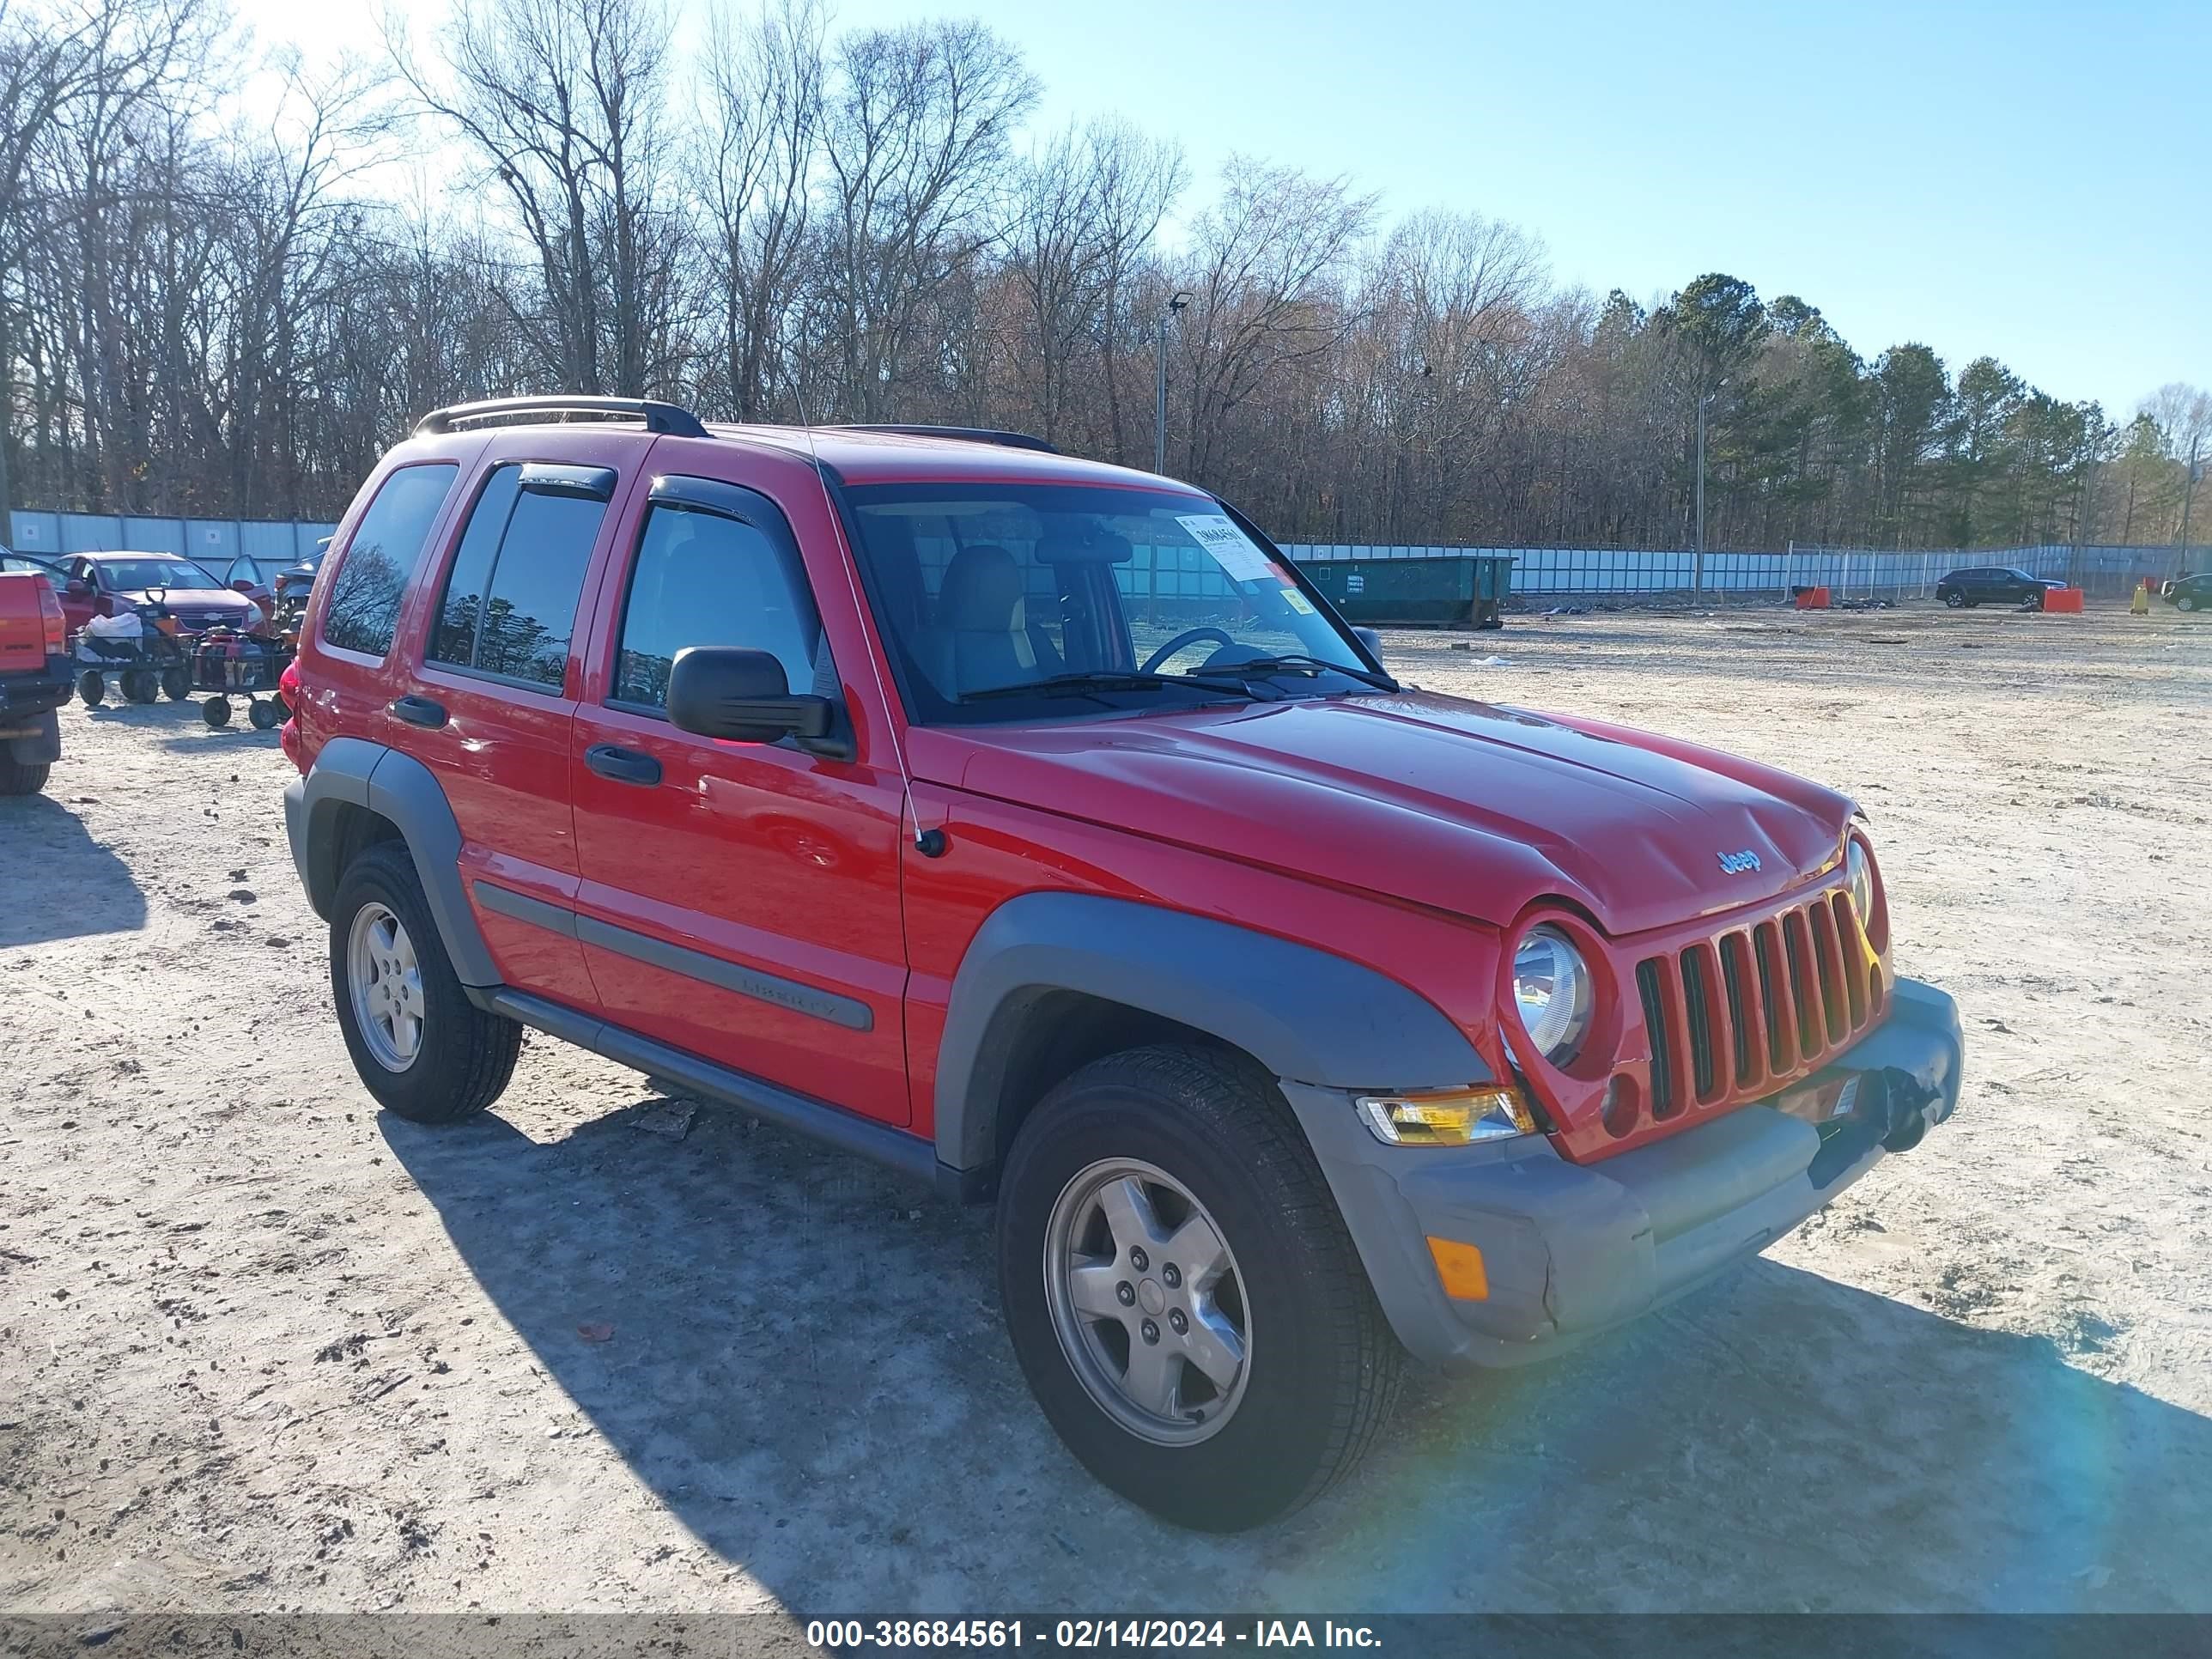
[[763, 144], [919, 122], [1087, 206], [1264, 296], [564, 99]]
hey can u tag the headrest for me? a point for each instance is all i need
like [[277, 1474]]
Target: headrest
[[982, 592]]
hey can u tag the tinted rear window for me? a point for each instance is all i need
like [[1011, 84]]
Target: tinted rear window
[[510, 600], [363, 610]]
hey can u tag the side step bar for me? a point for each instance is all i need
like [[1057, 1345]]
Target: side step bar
[[908, 1154]]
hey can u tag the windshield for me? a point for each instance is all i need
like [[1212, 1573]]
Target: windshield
[[133, 575], [1024, 601]]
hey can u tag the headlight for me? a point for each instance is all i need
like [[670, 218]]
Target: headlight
[[1552, 991], [1858, 875]]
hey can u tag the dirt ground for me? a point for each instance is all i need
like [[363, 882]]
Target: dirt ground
[[264, 1348]]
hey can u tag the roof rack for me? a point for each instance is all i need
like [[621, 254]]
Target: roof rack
[[667, 418], [974, 435]]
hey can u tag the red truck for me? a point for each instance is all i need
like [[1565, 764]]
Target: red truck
[[34, 681], [1034, 826]]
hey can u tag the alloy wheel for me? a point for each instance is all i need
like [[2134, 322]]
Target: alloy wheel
[[1147, 1302], [385, 983]]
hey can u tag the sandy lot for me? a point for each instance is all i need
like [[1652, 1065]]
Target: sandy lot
[[263, 1348]]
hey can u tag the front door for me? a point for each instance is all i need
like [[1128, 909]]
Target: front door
[[739, 901]]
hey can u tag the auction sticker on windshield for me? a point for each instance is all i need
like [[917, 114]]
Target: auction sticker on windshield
[[1231, 547]]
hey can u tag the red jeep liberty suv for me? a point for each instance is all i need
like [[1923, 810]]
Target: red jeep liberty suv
[[1033, 826]]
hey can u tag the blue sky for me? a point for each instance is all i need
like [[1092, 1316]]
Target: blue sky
[[2032, 180]]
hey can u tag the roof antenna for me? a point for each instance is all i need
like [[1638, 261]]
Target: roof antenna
[[930, 843]]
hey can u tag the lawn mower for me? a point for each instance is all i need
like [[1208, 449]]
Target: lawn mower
[[229, 664]]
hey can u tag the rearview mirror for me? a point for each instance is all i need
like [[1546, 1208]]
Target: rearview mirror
[[741, 696]]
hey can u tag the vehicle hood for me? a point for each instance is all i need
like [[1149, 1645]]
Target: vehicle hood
[[1466, 807], [191, 599]]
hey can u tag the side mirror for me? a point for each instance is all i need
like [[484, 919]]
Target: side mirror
[[244, 585], [741, 696], [1371, 640], [77, 588]]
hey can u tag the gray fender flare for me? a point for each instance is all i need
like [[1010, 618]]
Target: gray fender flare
[[1306, 1015], [351, 771]]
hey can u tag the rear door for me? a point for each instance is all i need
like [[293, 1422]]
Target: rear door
[[493, 693], [739, 901]]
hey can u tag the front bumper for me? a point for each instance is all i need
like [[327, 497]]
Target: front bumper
[[1572, 1249]]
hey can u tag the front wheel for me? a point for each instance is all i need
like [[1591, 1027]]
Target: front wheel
[[176, 683], [263, 714], [1182, 1293], [424, 1050], [1954, 599], [2184, 603], [215, 711], [91, 688]]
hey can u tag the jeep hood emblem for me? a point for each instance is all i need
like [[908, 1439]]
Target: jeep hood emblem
[[1737, 864]]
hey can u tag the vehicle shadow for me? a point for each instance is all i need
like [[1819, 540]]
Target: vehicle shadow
[[806, 1365], [207, 741], [145, 715], [56, 881]]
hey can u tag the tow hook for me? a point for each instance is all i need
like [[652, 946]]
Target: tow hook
[[1904, 1101]]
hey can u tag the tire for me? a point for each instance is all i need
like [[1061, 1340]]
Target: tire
[[462, 1056], [263, 714], [215, 711], [21, 777], [1320, 1368], [1954, 599], [143, 685], [91, 688], [2184, 603], [176, 683]]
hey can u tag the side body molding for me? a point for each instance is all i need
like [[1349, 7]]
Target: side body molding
[[1308, 1016], [351, 771]]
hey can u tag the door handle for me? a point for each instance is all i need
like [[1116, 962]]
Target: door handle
[[419, 711], [623, 765]]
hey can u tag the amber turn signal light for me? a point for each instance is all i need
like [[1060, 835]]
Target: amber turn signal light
[[1460, 1267]]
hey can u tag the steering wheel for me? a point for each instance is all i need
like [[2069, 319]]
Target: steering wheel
[[1188, 636]]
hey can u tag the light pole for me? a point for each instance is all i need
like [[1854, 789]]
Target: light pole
[[1160, 399], [1698, 558], [2188, 493]]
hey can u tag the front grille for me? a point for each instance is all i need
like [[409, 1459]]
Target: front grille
[[1662, 1032], [1757, 1005]]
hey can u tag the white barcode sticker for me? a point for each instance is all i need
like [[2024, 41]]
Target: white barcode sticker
[[1231, 549]]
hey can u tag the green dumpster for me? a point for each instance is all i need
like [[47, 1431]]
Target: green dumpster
[[1455, 590]]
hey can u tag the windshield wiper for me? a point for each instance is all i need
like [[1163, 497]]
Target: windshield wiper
[[1291, 661], [1106, 679]]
